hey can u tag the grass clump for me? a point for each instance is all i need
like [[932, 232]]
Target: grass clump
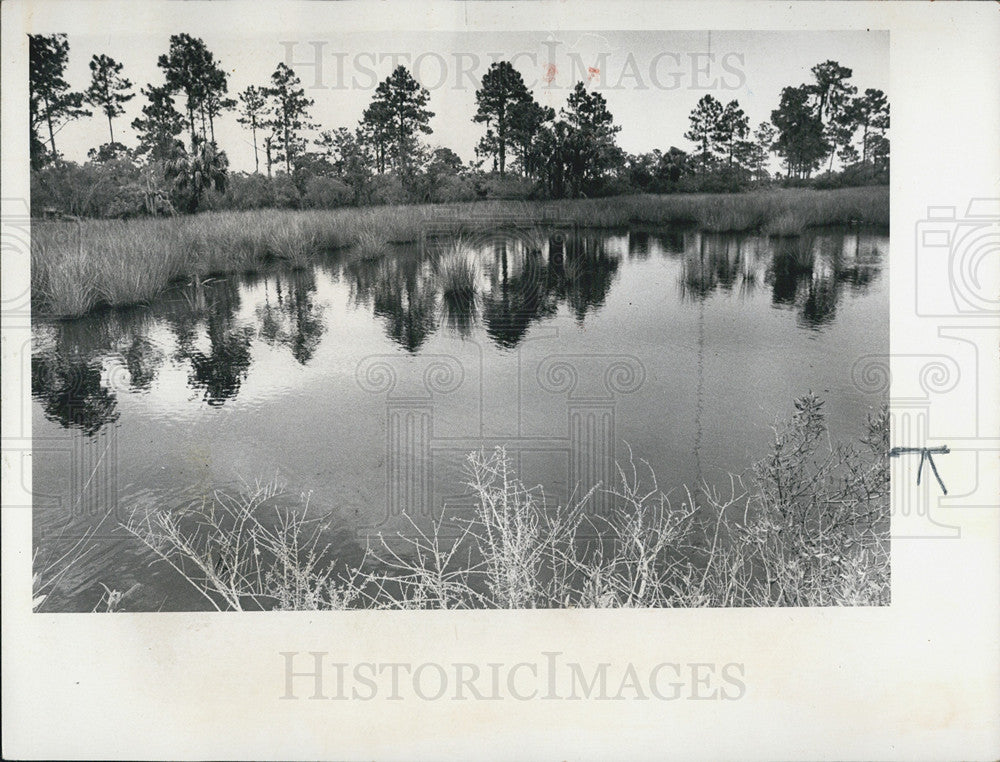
[[293, 241], [68, 285], [370, 240], [457, 271]]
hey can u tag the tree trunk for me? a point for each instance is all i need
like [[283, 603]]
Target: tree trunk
[[111, 129], [399, 151], [288, 147], [256, 154], [52, 134], [502, 138], [288, 154], [191, 124]]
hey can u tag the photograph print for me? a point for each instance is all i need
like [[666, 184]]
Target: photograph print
[[459, 320]]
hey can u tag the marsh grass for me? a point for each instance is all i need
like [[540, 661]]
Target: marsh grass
[[76, 267], [808, 525], [68, 285], [370, 241], [457, 272], [293, 241]]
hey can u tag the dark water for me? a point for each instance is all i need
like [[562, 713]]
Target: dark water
[[365, 383]]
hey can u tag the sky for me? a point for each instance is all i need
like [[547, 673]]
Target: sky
[[651, 79]]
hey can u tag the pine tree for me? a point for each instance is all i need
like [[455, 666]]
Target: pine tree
[[832, 102], [502, 89], [801, 140], [289, 114], [731, 132], [160, 125], [191, 71], [108, 90], [398, 114], [253, 103], [704, 119], [52, 103], [527, 118]]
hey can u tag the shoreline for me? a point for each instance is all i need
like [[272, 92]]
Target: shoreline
[[79, 266]]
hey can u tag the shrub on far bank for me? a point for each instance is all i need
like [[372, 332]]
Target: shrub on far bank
[[117, 186], [386, 189], [451, 189], [510, 187], [248, 192], [721, 180], [114, 188], [324, 192], [854, 176]]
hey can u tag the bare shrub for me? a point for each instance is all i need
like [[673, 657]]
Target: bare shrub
[[247, 552]]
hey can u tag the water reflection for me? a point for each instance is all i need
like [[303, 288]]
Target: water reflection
[[520, 289], [499, 285], [72, 391], [142, 360], [74, 363], [504, 282], [405, 297], [528, 276], [219, 359], [290, 315], [808, 273]]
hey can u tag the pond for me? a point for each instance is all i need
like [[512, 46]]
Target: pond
[[365, 382]]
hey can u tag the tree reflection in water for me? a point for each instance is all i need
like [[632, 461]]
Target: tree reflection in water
[[500, 282], [506, 282], [219, 369], [72, 391], [519, 291], [73, 366], [290, 315], [807, 273]]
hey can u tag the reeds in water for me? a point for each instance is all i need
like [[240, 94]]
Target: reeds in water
[[370, 241]]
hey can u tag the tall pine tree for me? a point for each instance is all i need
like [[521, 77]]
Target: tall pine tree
[[108, 90], [52, 103]]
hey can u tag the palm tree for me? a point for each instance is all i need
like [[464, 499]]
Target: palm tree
[[193, 174]]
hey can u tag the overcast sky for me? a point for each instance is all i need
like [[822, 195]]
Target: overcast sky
[[651, 79]]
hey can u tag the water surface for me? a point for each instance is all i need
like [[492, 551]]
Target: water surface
[[366, 382]]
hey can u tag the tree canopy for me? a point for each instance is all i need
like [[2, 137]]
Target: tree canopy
[[52, 103]]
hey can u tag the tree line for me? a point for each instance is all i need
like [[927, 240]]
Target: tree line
[[526, 149]]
